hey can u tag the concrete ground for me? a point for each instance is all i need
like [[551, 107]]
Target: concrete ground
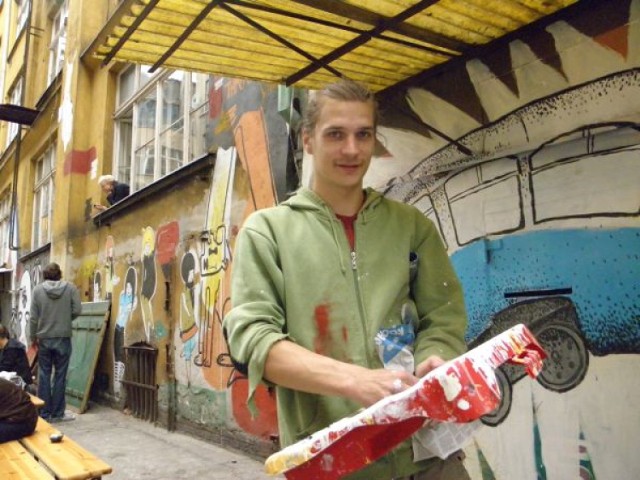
[[138, 450]]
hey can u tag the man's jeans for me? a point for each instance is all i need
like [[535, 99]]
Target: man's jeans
[[53, 354]]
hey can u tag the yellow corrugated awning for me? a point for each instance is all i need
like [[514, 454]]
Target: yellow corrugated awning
[[308, 43]]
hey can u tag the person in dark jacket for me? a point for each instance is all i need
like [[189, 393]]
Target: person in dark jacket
[[55, 303], [13, 356], [18, 415], [115, 191]]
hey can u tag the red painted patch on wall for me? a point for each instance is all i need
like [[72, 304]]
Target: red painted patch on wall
[[215, 101], [78, 161], [265, 424]]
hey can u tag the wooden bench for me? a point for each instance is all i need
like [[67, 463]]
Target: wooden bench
[[37, 401], [36, 457], [17, 463]]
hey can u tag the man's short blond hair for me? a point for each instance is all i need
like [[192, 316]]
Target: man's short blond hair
[[343, 90]]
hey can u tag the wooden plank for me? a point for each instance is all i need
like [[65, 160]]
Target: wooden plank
[[88, 332], [16, 463], [37, 401], [66, 459]]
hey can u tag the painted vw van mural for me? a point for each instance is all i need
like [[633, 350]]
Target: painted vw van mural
[[549, 238]]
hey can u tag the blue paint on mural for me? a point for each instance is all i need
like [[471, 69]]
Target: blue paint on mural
[[597, 269]]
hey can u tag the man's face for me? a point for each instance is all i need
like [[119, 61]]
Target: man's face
[[107, 187], [342, 144]]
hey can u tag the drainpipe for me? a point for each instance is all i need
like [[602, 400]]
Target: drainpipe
[[13, 221], [16, 160]]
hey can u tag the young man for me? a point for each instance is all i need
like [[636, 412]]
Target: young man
[[13, 356], [115, 190], [55, 303], [316, 278]]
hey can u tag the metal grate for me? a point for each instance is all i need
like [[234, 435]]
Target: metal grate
[[140, 380]]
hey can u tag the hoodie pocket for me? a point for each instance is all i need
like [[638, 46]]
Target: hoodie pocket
[[320, 412]]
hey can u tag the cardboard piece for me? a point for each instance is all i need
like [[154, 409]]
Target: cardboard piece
[[461, 390]]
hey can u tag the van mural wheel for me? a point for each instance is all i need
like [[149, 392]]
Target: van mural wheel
[[567, 361], [495, 418]]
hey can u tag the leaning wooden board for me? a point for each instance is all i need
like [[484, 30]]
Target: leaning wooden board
[[88, 331]]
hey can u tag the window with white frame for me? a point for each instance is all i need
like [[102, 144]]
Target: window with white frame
[[160, 123], [42, 198], [5, 215], [58, 41], [15, 98], [22, 15]]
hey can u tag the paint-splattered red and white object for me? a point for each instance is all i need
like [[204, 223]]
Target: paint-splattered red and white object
[[461, 390]]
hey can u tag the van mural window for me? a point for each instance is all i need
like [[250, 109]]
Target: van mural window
[[593, 172], [485, 199]]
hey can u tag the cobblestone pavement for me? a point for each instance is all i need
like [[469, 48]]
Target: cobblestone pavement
[[139, 450]]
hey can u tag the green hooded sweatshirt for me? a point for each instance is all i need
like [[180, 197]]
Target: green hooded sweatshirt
[[295, 277]]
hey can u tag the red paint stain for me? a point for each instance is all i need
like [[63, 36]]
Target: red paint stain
[[323, 338], [78, 161]]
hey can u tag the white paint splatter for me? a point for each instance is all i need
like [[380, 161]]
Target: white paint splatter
[[463, 404], [94, 168], [451, 386], [65, 112], [327, 462]]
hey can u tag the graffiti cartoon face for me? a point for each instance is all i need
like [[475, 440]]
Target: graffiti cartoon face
[[148, 241], [216, 248]]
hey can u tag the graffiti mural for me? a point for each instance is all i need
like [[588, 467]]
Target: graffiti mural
[[542, 223], [109, 277], [148, 287], [128, 301], [97, 286], [20, 326], [189, 305], [215, 255]]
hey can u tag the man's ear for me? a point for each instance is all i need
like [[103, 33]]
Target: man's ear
[[307, 142]]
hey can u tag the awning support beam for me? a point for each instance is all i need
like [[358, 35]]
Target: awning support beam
[[139, 19], [184, 35], [337, 26], [362, 15], [360, 40], [278, 38]]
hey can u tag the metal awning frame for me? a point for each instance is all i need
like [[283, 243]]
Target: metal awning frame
[[380, 26]]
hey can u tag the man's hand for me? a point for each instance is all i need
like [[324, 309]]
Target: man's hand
[[292, 366], [97, 206], [370, 386], [429, 364]]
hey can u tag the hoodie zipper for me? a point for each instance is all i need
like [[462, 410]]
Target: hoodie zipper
[[356, 282]]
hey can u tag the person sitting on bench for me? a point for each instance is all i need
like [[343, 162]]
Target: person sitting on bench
[[18, 415], [13, 356]]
